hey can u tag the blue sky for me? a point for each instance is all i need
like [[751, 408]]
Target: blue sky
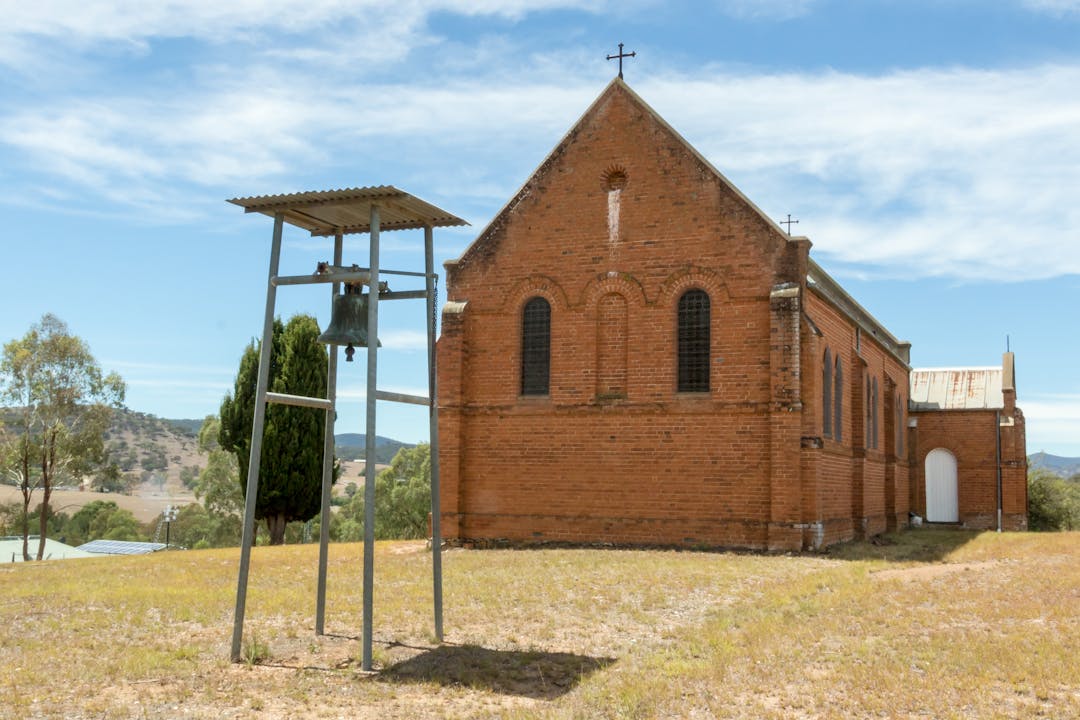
[[930, 150]]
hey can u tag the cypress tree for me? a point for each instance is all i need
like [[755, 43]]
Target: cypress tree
[[290, 470]]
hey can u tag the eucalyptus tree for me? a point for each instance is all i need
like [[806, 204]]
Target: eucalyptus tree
[[60, 404]]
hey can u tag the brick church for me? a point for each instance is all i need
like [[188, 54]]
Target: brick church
[[633, 353]]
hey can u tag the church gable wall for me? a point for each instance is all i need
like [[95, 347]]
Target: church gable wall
[[621, 194], [620, 222]]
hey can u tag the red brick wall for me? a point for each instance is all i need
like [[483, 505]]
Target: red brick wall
[[862, 490], [614, 453], [970, 435]]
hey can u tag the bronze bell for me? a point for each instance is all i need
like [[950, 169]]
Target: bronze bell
[[348, 321]]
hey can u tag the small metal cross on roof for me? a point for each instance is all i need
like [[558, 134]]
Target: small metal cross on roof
[[621, 55], [789, 222]]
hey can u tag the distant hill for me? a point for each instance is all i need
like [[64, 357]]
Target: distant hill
[[186, 426], [350, 446], [1063, 466]]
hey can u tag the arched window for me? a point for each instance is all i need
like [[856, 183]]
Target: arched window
[[874, 409], [869, 417], [826, 394], [838, 399], [899, 425], [693, 341], [536, 347]]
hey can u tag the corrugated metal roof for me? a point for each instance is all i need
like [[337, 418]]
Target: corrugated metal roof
[[11, 549], [328, 212], [956, 389], [120, 547]]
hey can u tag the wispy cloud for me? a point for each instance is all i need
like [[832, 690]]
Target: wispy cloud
[[133, 20], [955, 173], [1053, 421], [767, 9], [1053, 7]]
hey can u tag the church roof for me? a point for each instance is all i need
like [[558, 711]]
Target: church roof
[[957, 389], [821, 282]]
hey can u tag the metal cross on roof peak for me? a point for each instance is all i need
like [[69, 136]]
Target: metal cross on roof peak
[[789, 222], [620, 56]]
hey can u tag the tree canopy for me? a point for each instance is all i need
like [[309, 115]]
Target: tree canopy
[[290, 476], [63, 403], [402, 499], [1053, 502]]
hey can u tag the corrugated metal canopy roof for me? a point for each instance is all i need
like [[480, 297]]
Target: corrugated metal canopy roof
[[328, 212], [956, 389]]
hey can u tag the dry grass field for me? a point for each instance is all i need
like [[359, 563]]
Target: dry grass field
[[927, 624]]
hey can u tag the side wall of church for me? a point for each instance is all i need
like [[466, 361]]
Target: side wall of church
[[862, 475]]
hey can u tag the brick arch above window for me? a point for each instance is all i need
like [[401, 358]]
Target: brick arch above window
[[618, 283], [676, 285], [535, 286]]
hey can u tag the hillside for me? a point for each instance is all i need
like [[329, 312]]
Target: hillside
[[158, 460], [1063, 466], [926, 624]]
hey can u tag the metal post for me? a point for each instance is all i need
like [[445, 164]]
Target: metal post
[[328, 461], [369, 440], [255, 457], [436, 504]]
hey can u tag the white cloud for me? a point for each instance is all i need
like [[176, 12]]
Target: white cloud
[[1053, 421], [959, 173], [136, 20], [407, 340], [766, 9], [1053, 7], [949, 172]]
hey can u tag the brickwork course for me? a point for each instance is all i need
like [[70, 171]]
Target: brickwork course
[[619, 223]]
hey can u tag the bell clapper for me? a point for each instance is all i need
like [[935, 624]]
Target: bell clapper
[[349, 352]]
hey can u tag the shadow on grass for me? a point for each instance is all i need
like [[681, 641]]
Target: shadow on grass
[[923, 544], [528, 673]]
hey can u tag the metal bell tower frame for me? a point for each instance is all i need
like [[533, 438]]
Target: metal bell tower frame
[[337, 213]]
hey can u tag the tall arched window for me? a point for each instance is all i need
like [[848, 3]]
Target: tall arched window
[[826, 394], [899, 425], [868, 404], [536, 347], [693, 341], [874, 410], [838, 399]]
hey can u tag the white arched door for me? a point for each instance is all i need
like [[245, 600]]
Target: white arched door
[[942, 502]]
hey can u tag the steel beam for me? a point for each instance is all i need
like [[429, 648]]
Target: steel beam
[[328, 462], [401, 398], [252, 487], [433, 447], [299, 400], [369, 444]]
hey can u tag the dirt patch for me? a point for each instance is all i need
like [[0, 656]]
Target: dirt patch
[[931, 572], [144, 507]]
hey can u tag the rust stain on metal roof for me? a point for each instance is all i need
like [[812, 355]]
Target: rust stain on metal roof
[[956, 389]]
